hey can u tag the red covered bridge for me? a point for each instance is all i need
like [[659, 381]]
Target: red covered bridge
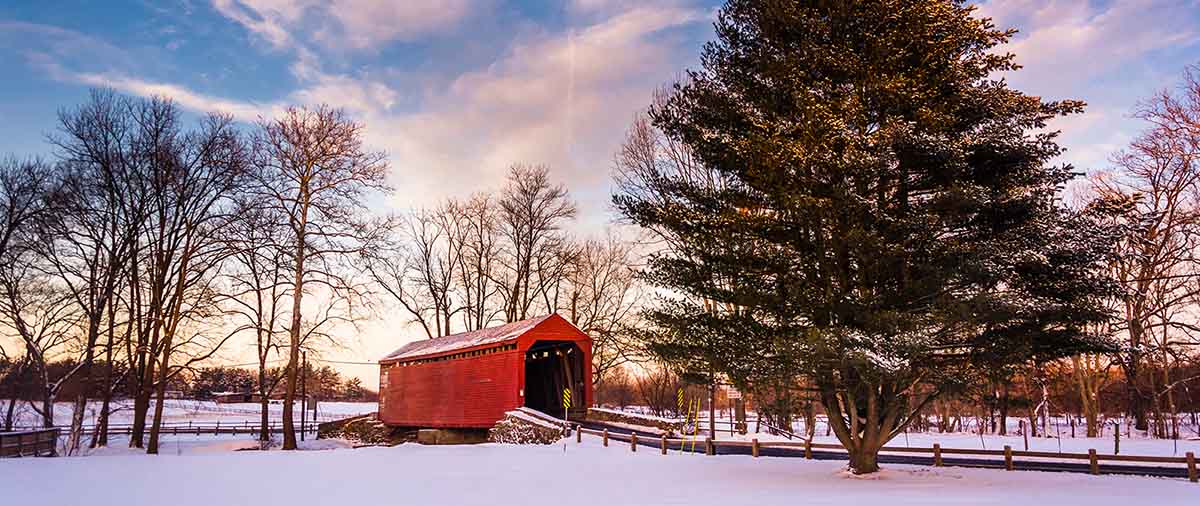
[[469, 380]]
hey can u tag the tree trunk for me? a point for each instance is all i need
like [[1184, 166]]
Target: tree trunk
[[9, 415], [101, 439], [264, 403], [1135, 402], [864, 460], [48, 411], [141, 406], [289, 397], [1004, 398], [160, 394], [76, 434]]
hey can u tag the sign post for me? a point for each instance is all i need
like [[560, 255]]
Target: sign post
[[566, 409], [566, 402]]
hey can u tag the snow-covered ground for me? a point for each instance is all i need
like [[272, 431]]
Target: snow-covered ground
[[182, 411], [565, 473]]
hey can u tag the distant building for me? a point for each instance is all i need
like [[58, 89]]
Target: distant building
[[470, 380], [233, 397]]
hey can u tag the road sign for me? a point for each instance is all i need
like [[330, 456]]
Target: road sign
[[567, 398], [733, 393], [679, 400]]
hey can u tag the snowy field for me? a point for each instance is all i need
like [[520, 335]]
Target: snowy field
[[1103, 445], [1060, 440], [182, 411], [208, 473]]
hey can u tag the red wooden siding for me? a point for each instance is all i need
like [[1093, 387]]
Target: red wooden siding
[[467, 392], [470, 387]]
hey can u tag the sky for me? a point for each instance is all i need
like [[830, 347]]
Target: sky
[[455, 91]]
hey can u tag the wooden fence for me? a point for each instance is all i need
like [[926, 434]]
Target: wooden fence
[[213, 428], [709, 446], [35, 443]]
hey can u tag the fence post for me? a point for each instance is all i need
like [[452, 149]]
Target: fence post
[[709, 448], [605, 437], [1116, 442], [664, 444], [633, 442], [1191, 463], [808, 449], [754, 447], [1093, 461], [937, 455], [1008, 466], [578, 433]]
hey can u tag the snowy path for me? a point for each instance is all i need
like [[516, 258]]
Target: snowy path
[[586, 474]]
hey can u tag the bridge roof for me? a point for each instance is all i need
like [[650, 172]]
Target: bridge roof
[[464, 340]]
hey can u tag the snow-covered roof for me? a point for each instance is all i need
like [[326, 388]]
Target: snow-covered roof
[[506, 332]]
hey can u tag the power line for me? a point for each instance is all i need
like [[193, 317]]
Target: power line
[[326, 361]]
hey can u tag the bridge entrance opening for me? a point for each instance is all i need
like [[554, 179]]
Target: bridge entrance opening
[[550, 368]]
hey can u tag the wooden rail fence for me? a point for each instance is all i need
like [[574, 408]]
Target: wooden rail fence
[[709, 445], [36, 443], [196, 429]]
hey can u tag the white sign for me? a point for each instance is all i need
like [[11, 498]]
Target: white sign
[[733, 393]]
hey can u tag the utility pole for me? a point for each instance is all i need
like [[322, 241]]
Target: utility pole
[[303, 392], [712, 407]]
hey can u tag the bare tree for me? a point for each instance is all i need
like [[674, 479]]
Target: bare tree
[[480, 239], [190, 206], [532, 213], [36, 309], [33, 307], [419, 267], [259, 293], [1159, 172], [86, 237], [314, 173], [604, 301]]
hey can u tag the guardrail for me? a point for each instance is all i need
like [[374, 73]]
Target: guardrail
[[1061, 462], [34, 443]]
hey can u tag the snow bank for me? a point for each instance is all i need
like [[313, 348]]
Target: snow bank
[[582, 475], [523, 426], [642, 416]]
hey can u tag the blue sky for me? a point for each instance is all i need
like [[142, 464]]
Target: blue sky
[[456, 90]]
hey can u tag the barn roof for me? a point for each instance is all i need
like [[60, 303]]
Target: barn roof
[[502, 333]]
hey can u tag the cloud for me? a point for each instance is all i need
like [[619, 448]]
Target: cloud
[[264, 18], [1101, 52], [354, 24], [47, 46], [561, 99], [246, 111], [1064, 42]]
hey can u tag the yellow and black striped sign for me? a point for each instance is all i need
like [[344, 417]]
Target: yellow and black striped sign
[[679, 400], [566, 397]]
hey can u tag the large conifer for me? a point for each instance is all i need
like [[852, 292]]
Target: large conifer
[[882, 214]]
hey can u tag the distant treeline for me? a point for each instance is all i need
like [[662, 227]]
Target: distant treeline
[[324, 383]]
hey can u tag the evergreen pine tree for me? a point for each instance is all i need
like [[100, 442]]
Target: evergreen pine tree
[[881, 213]]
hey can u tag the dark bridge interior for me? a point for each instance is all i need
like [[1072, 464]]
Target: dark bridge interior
[[551, 367]]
